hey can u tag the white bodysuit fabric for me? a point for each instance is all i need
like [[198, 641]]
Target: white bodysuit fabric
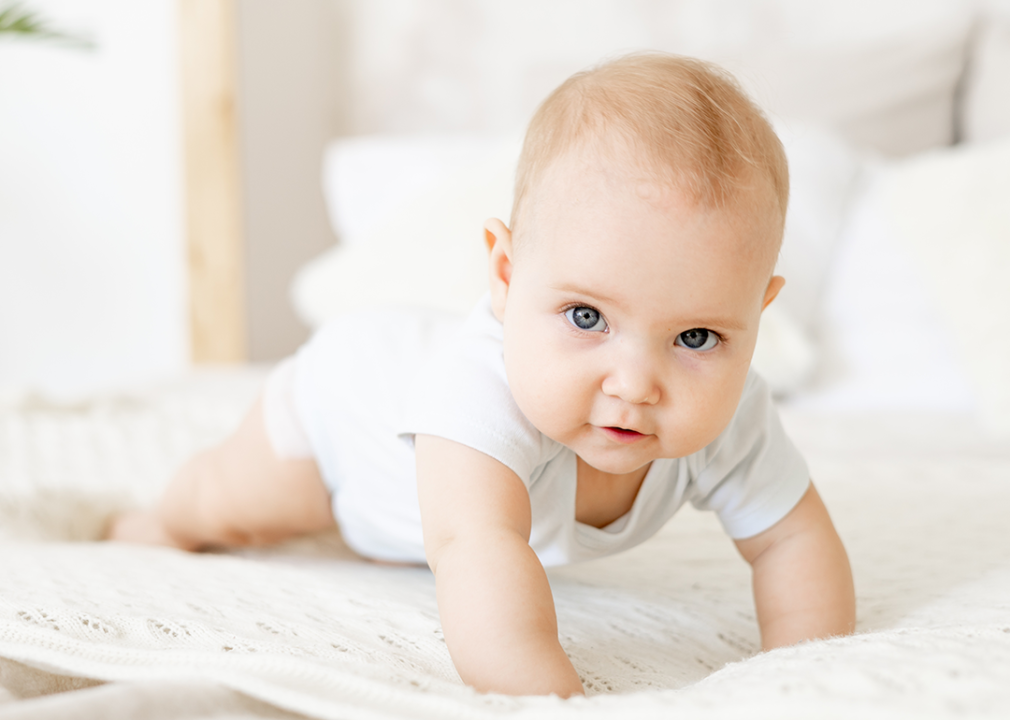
[[365, 384]]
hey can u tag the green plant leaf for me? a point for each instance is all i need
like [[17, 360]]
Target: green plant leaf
[[19, 22]]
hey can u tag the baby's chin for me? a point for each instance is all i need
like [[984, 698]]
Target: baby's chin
[[615, 463], [623, 461]]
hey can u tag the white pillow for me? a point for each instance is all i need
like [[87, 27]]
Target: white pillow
[[822, 172], [409, 213], [918, 304], [985, 103], [878, 328], [951, 213], [369, 178]]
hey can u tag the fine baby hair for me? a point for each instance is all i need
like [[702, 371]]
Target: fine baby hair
[[687, 121]]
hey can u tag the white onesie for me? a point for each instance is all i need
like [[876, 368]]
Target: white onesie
[[365, 384]]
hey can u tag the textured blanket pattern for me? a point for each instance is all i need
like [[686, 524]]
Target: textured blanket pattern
[[665, 629]]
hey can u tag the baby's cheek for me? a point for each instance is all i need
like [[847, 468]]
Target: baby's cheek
[[541, 395], [721, 409], [524, 382], [702, 414]]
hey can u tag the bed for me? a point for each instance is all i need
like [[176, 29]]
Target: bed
[[888, 356], [920, 500]]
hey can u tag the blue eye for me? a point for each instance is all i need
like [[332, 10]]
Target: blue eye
[[698, 339], [586, 318]]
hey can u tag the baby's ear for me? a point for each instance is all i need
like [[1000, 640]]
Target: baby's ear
[[774, 286], [499, 245]]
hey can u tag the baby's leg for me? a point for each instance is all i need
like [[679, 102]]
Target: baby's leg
[[237, 493]]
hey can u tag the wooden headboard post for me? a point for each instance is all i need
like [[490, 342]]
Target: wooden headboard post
[[213, 197]]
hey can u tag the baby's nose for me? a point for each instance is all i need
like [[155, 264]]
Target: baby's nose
[[634, 382]]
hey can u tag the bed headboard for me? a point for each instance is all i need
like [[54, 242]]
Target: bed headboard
[[213, 197]]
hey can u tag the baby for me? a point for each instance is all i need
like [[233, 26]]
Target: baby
[[601, 384]]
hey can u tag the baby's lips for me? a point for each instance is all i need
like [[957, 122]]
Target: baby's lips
[[628, 428], [623, 435]]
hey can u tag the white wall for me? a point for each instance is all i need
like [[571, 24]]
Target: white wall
[[92, 279]]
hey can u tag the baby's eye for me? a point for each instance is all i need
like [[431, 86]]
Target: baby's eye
[[586, 318], [698, 339]]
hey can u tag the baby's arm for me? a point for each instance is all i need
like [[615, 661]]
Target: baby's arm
[[493, 596], [802, 580]]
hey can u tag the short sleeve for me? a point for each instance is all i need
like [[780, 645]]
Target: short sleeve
[[752, 475], [461, 393]]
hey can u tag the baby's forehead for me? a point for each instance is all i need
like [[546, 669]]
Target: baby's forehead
[[696, 262], [621, 196]]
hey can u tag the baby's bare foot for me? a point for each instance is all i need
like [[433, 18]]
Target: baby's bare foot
[[140, 526]]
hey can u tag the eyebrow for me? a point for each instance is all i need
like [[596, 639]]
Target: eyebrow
[[575, 289], [713, 322]]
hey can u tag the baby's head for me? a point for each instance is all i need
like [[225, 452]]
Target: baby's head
[[680, 122], [649, 208]]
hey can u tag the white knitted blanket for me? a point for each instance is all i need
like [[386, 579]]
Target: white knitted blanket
[[666, 630]]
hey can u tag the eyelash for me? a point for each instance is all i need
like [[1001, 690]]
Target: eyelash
[[577, 330], [569, 306], [719, 341]]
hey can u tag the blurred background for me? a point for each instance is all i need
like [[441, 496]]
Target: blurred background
[[93, 255], [205, 180]]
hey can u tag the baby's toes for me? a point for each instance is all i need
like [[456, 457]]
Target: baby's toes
[[139, 526]]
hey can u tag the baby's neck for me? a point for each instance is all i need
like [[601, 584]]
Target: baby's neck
[[602, 497]]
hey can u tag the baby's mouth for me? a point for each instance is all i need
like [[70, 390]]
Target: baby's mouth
[[622, 435]]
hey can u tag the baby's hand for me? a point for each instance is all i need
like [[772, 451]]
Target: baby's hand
[[493, 596], [802, 580]]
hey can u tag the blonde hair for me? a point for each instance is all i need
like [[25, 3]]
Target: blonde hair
[[688, 121]]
